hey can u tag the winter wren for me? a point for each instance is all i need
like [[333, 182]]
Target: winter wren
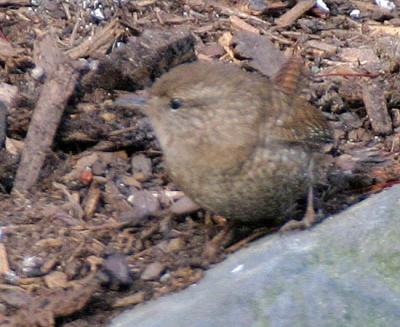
[[235, 142]]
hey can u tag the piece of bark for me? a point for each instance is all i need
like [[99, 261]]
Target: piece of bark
[[259, 52], [15, 3], [43, 309], [375, 104], [259, 7], [143, 58], [58, 87], [289, 17]]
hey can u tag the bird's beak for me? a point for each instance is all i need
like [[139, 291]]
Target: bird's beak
[[133, 100]]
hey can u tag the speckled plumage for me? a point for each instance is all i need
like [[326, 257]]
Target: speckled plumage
[[238, 145]]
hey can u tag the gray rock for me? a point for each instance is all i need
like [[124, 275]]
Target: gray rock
[[343, 272]]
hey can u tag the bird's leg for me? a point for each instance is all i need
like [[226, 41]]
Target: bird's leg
[[213, 246], [310, 217]]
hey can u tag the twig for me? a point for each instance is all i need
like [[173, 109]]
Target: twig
[[257, 234], [289, 17], [54, 95], [99, 43]]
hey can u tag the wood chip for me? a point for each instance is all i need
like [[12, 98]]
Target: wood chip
[[49, 243], [242, 25], [329, 49], [4, 267], [296, 12], [92, 200], [225, 41], [129, 300], [375, 104], [56, 279], [261, 53]]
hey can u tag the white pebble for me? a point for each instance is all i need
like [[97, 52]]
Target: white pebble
[[322, 5], [355, 13], [386, 4], [37, 73]]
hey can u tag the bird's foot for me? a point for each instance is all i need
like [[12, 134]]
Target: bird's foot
[[308, 220]]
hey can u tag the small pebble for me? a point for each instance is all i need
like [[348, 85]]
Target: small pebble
[[140, 164], [322, 5], [37, 73], [117, 269], [97, 14], [175, 245], [355, 13], [144, 202], [153, 271], [31, 266]]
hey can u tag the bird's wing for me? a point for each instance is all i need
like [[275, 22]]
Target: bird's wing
[[299, 122]]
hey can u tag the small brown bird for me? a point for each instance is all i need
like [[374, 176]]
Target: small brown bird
[[237, 143]]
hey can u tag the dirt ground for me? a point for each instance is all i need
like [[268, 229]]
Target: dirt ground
[[79, 237]]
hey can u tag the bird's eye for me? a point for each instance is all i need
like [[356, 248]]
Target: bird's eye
[[175, 103]]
